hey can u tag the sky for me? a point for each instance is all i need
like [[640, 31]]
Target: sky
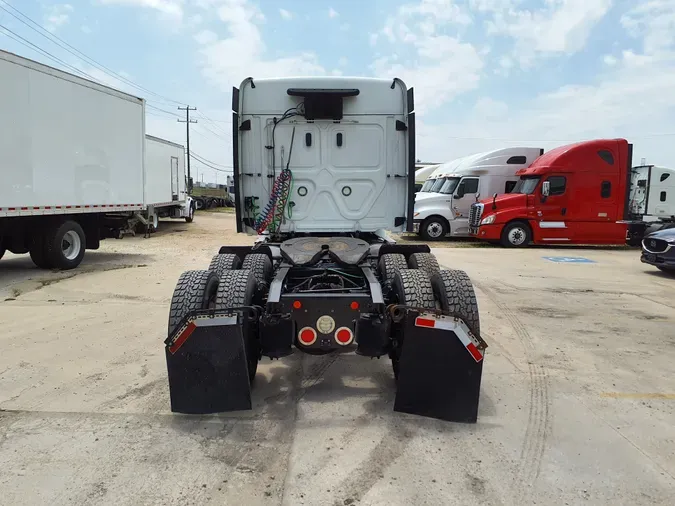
[[487, 74]]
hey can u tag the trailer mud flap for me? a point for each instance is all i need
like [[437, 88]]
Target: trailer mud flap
[[440, 368], [206, 363]]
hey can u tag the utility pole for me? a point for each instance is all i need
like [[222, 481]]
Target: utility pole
[[187, 122]]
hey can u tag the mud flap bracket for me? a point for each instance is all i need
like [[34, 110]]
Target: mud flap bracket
[[440, 367], [206, 361]]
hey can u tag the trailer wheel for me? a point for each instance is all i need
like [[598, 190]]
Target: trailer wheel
[[389, 265], [411, 287], [516, 234], [424, 261], [454, 291], [224, 262], [195, 290], [237, 289], [261, 266], [64, 245]]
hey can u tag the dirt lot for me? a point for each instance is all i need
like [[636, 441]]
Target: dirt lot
[[577, 406]]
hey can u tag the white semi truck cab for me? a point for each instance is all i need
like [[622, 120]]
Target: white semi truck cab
[[323, 168], [443, 209]]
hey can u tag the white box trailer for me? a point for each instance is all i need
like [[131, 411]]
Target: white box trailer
[[71, 164], [165, 181]]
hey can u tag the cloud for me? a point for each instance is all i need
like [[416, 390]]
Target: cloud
[[562, 27], [439, 64], [630, 96], [57, 16], [285, 14], [227, 60], [332, 13], [172, 8], [610, 60]]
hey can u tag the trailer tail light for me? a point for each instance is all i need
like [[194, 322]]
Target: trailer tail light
[[307, 336], [344, 336], [297, 304], [354, 305]]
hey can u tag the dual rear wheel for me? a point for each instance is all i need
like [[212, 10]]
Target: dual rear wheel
[[227, 283], [421, 283]]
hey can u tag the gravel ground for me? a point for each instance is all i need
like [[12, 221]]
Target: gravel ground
[[577, 403]]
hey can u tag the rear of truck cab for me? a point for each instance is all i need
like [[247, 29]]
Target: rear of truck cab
[[573, 194]]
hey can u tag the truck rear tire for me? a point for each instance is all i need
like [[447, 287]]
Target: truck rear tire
[[411, 287], [64, 245], [454, 291], [516, 234], [425, 262], [194, 290], [38, 253], [224, 262], [389, 265], [261, 267], [237, 289], [434, 228]]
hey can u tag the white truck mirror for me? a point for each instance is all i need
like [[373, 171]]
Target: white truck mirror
[[546, 188]]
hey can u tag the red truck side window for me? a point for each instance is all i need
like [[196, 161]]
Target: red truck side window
[[558, 184]]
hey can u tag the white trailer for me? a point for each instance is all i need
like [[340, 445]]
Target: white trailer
[[71, 164], [444, 208], [652, 193], [165, 181]]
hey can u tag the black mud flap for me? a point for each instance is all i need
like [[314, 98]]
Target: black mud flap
[[440, 368], [206, 362]]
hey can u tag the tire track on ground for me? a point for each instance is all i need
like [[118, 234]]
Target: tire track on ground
[[539, 416]]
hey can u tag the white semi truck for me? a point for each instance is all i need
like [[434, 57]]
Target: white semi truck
[[324, 167], [72, 164], [443, 208]]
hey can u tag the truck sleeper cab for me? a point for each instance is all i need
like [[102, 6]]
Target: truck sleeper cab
[[444, 210], [574, 194]]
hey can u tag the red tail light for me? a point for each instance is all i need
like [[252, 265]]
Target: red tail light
[[344, 336], [354, 305], [307, 336]]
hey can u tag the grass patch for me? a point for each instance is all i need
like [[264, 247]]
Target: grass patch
[[221, 210]]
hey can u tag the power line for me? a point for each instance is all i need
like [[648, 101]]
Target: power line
[[201, 158], [211, 166], [76, 52]]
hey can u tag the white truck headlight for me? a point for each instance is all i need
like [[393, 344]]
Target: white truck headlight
[[488, 220]]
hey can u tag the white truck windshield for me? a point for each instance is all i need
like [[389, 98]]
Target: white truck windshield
[[428, 184], [450, 185], [438, 184], [526, 185]]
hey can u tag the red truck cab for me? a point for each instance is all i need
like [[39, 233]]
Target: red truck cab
[[574, 194]]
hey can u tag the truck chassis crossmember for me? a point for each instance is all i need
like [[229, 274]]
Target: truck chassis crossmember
[[321, 295]]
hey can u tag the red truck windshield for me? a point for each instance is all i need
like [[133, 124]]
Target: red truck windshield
[[526, 185]]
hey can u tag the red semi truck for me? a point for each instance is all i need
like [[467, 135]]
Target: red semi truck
[[574, 194]]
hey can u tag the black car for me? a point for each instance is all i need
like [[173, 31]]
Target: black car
[[658, 249]]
